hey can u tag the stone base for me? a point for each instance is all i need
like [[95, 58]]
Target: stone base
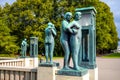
[[87, 65], [31, 62], [72, 72], [35, 61], [66, 77], [46, 71], [44, 64], [93, 74]]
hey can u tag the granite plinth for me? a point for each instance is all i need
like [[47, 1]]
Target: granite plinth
[[72, 72], [93, 74], [46, 71], [72, 77]]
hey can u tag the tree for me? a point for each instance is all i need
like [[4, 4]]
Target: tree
[[106, 29], [7, 42], [26, 18]]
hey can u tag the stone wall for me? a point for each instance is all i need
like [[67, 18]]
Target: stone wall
[[16, 73], [20, 62]]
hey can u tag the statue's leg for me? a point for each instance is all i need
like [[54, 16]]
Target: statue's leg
[[80, 53], [66, 50], [22, 53], [46, 52], [75, 49], [25, 52], [69, 58], [51, 49]]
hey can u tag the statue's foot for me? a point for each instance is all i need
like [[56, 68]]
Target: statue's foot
[[51, 62], [46, 61], [77, 68], [66, 68]]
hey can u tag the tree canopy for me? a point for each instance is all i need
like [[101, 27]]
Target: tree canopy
[[26, 18]]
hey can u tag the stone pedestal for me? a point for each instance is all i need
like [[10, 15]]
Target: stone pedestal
[[93, 74], [65, 77], [72, 75], [35, 61], [31, 62], [46, 71], [87, 65], [27, 62]]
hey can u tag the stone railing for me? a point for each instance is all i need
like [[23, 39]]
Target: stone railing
[[18, 73], [20, 62]]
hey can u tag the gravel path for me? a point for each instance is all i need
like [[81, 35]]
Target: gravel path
[[108, 69]]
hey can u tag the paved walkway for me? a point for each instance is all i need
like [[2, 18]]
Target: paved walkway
[[108, 69]]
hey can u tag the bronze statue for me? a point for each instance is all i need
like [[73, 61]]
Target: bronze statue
[[64, 38], [50, 33]]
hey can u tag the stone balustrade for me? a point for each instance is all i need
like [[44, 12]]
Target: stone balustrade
[[17, 62], [28, 69], [20, 62], [18, 73]]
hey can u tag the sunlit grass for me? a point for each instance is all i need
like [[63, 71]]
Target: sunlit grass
[[112, 55]]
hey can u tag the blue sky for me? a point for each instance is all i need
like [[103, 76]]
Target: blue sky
[[2, 2], [115, 8], [113, 4]]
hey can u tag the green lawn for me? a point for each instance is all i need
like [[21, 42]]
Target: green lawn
[[112, 55]]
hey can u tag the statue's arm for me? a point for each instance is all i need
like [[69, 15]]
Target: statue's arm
[[75, 31], [22, 44], [77, 25], [64, 25], [69, 27], [73, 27], [54, 31]]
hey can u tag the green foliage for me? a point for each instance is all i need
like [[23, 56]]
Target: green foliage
[[26, 18], [7, 42], [106, 29], [6, 56]]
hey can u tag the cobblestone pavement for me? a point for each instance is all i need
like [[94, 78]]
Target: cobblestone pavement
[[108, 69]]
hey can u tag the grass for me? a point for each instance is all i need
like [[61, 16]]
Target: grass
[[43, 57], [57, 58], [14, 56], [112, 55]]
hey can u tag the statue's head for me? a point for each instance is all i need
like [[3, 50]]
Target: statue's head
[[50, 24], [25, 39], [68, 15], [77, 15]]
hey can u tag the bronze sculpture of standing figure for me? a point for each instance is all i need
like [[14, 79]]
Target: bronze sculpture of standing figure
[[24, 48], [64, 39], [50, 33], [75, 39]]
